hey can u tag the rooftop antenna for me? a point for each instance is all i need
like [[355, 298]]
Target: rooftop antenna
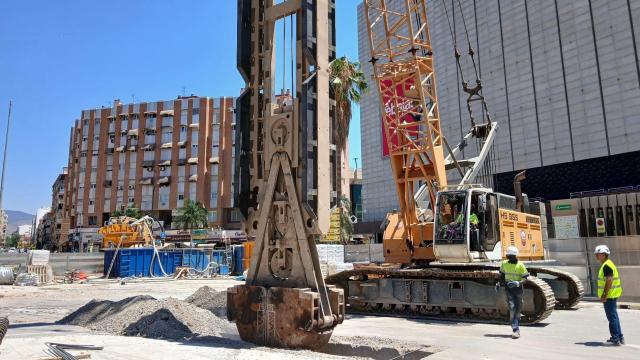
[[4, 160]]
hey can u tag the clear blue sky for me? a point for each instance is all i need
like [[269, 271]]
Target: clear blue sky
[[59, 57]]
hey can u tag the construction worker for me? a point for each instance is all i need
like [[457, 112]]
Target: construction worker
[[609, 290], [473, 217], [513, 273]]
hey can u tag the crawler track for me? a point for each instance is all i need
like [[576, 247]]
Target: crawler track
[[576, 289], [543, 298]]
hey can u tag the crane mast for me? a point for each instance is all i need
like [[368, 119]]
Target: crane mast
[[403, 68]]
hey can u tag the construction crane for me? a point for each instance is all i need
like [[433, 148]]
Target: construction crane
[[285, 157], [449, 262]]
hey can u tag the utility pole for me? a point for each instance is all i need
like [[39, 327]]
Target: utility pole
[[355, 172], [4, 160]]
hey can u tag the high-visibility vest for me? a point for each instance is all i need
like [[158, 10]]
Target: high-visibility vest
[[513, 272], [615, 291]]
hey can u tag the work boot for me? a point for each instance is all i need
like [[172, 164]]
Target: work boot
[[516, 334]]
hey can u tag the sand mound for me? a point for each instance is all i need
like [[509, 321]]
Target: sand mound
[[148, 317], [210, 299]]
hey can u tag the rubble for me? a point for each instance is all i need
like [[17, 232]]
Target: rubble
[[149, 317], [210, 299]]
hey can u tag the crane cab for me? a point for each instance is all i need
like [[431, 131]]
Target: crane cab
[[476, 224]]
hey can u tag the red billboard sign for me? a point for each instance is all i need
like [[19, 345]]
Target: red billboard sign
[[390, 95]]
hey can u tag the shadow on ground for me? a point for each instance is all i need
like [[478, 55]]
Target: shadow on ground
[[504, 336], [593, 343]]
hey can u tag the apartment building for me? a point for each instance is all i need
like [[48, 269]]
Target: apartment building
[[59, 224], [154, 156]]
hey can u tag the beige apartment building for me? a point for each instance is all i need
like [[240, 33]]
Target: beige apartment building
[[153, 156], [60, 223]]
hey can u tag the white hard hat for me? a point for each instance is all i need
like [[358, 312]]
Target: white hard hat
[[512, 250], [602, 249]]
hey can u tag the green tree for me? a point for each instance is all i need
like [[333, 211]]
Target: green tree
[[347, 85], [130, 211], [12, 240], [191, 216]]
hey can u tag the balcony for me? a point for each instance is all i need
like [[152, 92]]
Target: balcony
[[194, 125], [164, 181], [120, 148], [148, 163], [149, 147], [193, 160], [166, 145], [193, 178], [165, 163], [182, 144], [214, 160], [133, 132], [146, 181]]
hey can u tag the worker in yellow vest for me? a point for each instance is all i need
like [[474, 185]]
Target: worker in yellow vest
[[609, 290], [513, 274]]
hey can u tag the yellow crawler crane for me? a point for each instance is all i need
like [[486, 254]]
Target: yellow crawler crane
[[447, 240]]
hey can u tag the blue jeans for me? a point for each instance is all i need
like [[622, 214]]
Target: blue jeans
[[611, 310], [514, 295]]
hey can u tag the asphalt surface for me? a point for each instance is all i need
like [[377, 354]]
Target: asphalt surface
[[578, 334]]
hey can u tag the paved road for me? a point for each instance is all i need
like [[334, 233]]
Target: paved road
[[565, 335], [575, 334]]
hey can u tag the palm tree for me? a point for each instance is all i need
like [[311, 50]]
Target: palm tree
[[191, 216], [130, 211], [347, 85]]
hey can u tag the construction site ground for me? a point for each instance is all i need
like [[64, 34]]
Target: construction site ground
[[34, 311]]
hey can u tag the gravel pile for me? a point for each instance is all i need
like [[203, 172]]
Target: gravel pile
[[148, 317], [210, 299]]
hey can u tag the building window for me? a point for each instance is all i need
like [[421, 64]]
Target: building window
[[180, 196], [214, 197], [195, 111], [93, 220], [90, 202], [93, 185], [213, 216]]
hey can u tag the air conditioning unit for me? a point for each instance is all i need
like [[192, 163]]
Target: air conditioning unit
[[120, 187]]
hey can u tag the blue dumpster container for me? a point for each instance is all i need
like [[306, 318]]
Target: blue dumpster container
[[238, 256]]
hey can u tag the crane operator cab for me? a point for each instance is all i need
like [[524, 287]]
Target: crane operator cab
[[466, 225]]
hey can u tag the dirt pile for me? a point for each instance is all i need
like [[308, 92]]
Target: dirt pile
[[149, 317], [210, 299]]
